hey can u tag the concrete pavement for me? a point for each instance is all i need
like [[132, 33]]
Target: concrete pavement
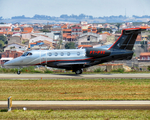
[[78, 104], [73, 76]]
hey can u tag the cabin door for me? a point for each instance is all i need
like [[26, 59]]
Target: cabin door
[[43, 56]]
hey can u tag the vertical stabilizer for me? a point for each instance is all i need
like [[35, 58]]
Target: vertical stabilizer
[[127, 39]]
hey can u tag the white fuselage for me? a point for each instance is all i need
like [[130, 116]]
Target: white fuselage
[[44, 56]]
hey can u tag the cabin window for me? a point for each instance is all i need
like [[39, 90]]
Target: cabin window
[[68, 53], [27, 54], [61, 53], [56, 54], [78, 53], [24, 54], [50, 54]]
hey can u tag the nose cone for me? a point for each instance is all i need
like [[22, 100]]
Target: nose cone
[[13, 62], [9, 63]]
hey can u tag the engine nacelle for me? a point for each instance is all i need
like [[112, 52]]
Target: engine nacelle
[[97, 52]]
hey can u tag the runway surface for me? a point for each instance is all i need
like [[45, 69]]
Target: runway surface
[[73, 76], [77, 105]]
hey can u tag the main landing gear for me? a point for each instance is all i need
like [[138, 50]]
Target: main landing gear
[[79, 71]]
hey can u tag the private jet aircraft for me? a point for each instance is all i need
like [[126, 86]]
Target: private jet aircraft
[[77, 59]]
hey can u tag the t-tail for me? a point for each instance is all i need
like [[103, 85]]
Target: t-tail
[[127, 39]]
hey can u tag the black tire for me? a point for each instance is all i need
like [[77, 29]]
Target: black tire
[[18, 72], [81, 71], [78, 71]]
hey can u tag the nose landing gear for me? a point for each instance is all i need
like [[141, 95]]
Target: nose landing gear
[[18, 72]]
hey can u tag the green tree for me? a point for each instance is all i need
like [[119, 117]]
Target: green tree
[[9, 35], [99, 30], [118, 25], [149, 37], [1, 45], [70, 45], [59, 44], [2, 22], [118, 31], [44, 30], [3, 38], [3, 41]]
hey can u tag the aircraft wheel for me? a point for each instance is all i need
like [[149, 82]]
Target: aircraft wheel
[[78, 71], [81, 71], [18, 72]]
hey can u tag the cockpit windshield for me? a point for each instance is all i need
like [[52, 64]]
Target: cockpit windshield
[[27, 54]]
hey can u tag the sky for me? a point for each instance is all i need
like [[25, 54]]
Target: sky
[[96, 8]]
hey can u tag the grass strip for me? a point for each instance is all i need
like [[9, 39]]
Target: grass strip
[[76, 89], [76, 114]]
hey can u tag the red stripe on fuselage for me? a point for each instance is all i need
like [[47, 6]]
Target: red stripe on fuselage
[[64, 60]]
